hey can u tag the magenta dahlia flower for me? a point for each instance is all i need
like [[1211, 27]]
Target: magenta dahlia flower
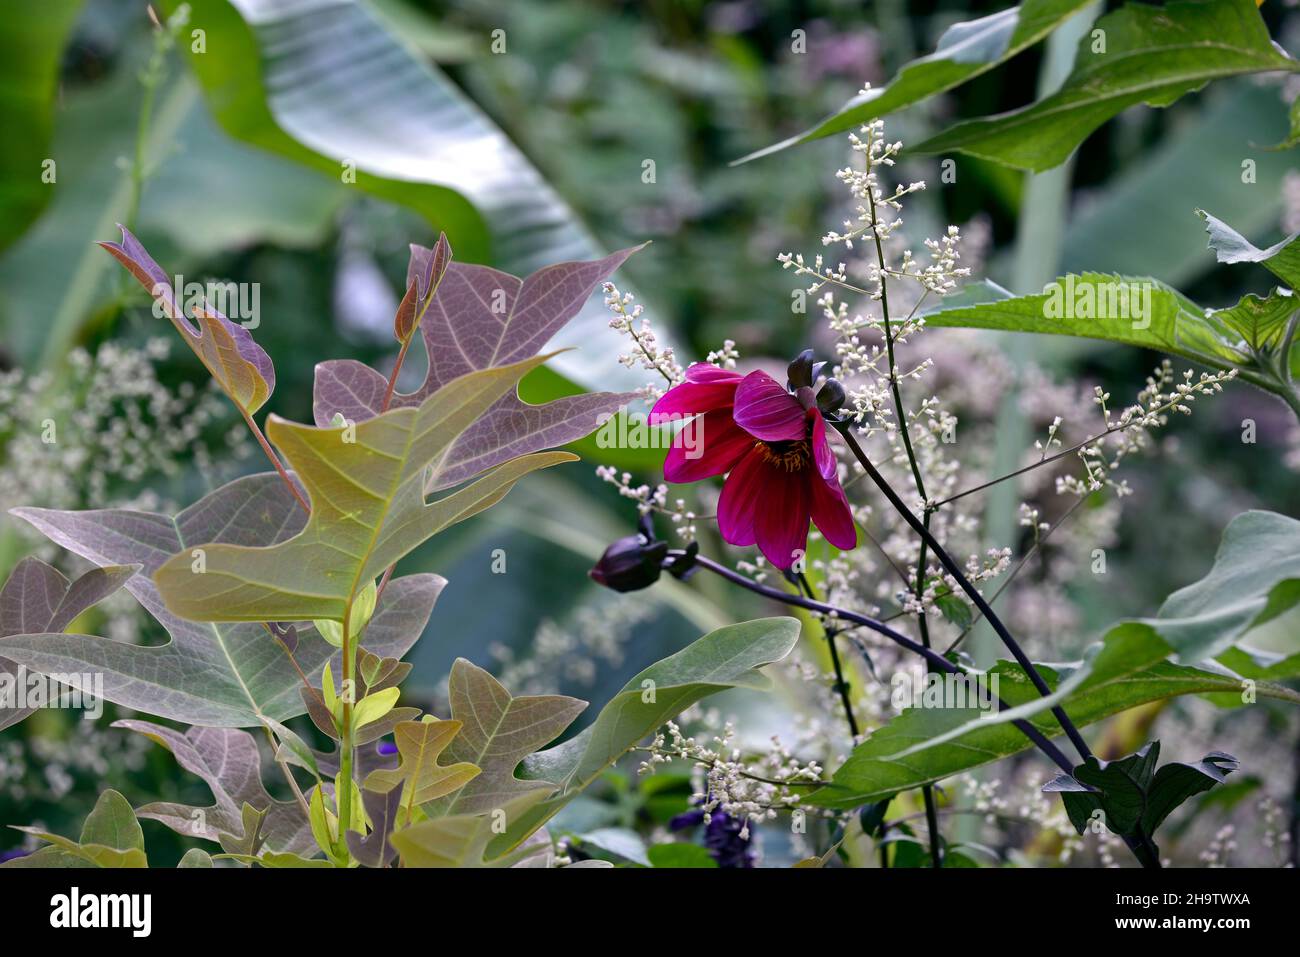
[[773, 443]]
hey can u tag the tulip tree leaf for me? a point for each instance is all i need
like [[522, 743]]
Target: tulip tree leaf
[[420, 775], [1152, 55], [37, 598], [965, 51], [499, 731], [465, 840], [110, 837], [239, 365], [210, 674], [366, 483], [423, 275], [478, 318], [374, 849], [730, 657], [229, 762]]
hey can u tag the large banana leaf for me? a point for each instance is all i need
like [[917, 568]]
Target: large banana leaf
[[336, 90]]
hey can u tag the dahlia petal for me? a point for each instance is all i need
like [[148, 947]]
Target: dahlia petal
[[702, 391], [709, 444], [822, 453], [766, 411], [707, 372], [782, 518], [831, 513], [739, 501]]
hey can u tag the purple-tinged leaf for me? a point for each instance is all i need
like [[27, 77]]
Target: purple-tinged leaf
[[478, 318], [228, 761], [210, 674], [37, 598], [240, 366], [423, 274], [498, 732], [373, 850]]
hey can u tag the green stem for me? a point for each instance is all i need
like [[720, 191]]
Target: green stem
[[343, 783]]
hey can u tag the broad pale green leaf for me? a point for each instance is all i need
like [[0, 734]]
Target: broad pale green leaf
[[730, 657], [337, 91], [1281, 259], [211, 674], [965, 51], [420, 775], [1255, 578], [1151, 55], [196, 857], [110, 837], [499, 731], [228, 761], [31, 52], [366, 483]]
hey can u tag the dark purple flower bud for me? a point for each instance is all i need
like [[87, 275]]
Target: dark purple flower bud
[[800, 371], [831, 398], [630, 564]]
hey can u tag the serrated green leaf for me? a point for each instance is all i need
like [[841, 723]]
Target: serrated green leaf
[[965, 51], [1145, 54]]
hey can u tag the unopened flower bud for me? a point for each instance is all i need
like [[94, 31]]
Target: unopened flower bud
[[630, 564]]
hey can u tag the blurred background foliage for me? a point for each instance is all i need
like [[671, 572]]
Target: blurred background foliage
[[230, 163]]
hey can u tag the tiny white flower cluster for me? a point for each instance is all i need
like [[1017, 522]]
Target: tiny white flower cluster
[[647, 353], [650, 498], [1130, 432], [751, 791]]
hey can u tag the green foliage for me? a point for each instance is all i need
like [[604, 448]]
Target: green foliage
[[110, 837], [1137, 54], [965, 51]]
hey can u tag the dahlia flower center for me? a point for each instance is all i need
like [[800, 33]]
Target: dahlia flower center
[[788, 456]]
